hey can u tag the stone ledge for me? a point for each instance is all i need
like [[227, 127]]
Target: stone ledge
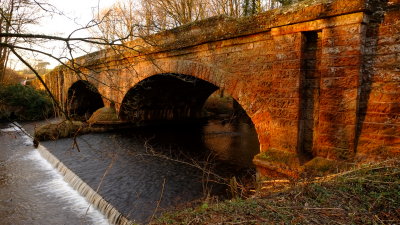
[[320, 166], [355, 18], [277, 163], [281, 164]]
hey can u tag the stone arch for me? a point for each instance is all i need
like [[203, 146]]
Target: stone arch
[[233, 85], [206, 72], [166, 97], [83, 99]]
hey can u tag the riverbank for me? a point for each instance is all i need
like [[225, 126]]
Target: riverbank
[[368, 194]]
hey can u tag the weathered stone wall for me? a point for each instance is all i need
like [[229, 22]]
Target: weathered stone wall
[[379, 125], [342, 102]]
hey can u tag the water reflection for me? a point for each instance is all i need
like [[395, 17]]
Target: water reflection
[[234, 142]]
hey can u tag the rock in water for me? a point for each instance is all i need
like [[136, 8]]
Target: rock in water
[[60, 130]]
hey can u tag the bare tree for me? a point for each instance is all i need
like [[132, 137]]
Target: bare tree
[[226, 7], [121, 21], [18, 41], [15, 15], [125, 18], [166, 14], [129, 19]]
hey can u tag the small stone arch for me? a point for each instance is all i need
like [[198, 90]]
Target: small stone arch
[[83, 99]]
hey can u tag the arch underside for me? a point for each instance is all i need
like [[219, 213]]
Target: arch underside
[[166, 97], [167, 90], [83, 99]]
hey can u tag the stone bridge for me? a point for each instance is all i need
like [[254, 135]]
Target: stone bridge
[[320, 81]]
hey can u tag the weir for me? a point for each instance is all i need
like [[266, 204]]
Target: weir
[[32, 190], [91, 195], [85, 190]]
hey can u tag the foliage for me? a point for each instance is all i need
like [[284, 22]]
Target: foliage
[[285, 2], [104, 114], [251, 7], [24, 103], [366, 195]]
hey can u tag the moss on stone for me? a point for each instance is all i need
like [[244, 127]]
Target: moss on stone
[[277, 156], [278, 162], [104, 114], [319, 166]]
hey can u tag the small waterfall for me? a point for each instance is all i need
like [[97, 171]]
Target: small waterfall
[[85, 190]]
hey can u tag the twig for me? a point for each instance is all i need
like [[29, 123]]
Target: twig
[[22, 129], [159, 201], [307, 208], [242, 222], [102, 179]]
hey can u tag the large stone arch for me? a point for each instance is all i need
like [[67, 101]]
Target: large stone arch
[[209, 73], [166, 97], [232, 85]]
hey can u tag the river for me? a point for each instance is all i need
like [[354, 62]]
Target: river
[[32, 192], [140, 171]]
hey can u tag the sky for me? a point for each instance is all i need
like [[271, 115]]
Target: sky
[[77, 13]]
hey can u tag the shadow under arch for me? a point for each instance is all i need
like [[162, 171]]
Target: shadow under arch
[[83, 99], [177, 98], [166, 97]]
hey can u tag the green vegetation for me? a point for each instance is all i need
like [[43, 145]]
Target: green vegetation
[[281, 157], [365, 195], [18, 102]]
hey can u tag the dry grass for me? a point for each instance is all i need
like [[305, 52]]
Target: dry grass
[[368, 194]]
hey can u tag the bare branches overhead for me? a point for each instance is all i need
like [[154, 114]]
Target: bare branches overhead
[[131, 18]]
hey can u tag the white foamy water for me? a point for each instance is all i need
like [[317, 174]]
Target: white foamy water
[[10, 129], [55, 186]]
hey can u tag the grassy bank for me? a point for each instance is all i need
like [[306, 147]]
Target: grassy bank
[[368, 194]]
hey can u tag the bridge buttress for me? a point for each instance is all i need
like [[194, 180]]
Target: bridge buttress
[[327, 65]]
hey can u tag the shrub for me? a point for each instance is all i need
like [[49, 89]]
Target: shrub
[[18, 102]]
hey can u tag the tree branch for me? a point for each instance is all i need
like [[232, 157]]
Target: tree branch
[[41, 81]]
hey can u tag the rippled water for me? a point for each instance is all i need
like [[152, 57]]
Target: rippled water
[[139, 171]]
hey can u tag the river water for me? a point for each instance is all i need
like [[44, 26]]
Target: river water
[[32, 192], [140, 171]]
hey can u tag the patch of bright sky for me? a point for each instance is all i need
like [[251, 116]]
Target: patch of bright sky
[[75, 14]]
